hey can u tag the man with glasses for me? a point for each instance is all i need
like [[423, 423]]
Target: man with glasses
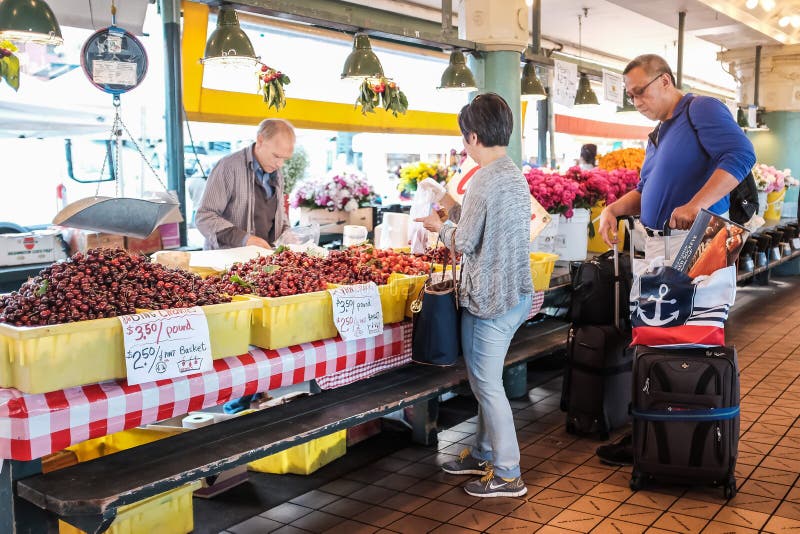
[[695, 157]]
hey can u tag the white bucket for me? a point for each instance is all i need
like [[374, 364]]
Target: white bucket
[[546, 240], [762, 203], [572, 239]]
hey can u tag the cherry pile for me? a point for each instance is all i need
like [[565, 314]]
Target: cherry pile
[[439, 255], [103, 283], [389, 261]]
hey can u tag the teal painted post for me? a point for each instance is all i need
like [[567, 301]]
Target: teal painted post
[[502, 76]]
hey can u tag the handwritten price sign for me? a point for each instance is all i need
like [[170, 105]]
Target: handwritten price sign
[[166, 344], [357, 311]]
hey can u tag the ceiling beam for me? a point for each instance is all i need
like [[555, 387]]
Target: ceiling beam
[[332, 14]]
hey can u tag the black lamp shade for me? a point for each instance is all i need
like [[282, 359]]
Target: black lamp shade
[[362, 61], [29, 21], [228, 44], [457, 75]]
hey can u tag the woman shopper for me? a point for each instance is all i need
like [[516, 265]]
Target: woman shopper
[[496, 289]]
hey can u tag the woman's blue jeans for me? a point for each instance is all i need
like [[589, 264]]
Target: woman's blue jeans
[[485, 344]]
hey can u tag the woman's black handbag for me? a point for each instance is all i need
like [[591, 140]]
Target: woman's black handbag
[[436, 338]]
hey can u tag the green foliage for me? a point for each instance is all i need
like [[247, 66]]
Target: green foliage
[[294, 169]]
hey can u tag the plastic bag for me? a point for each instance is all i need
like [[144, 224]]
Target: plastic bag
[[428, 192], [299, 235]]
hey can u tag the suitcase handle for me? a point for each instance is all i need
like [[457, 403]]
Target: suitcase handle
[[629, 221]]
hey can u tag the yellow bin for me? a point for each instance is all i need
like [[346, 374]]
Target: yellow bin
[[305, 458], [285, 321], [775, 205], [542, 265], [596, 243], [394, 296]]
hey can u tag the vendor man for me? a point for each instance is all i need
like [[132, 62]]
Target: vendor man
[[243, 201]]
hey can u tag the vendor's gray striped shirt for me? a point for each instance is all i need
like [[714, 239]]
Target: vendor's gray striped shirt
[[493, 234]]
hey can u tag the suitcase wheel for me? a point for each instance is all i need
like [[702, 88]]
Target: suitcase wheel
[[637, 481], [570, 427], [730, 488]]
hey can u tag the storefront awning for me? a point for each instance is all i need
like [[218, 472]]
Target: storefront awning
[[590, 128]]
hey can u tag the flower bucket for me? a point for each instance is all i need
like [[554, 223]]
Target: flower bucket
[[596, 243], [774, 204], [572, 240], [546, 240], [762, 203], [790, 202]]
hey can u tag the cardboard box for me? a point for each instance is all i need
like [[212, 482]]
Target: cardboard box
[[83, 240], [148, 245], [41, 246], [170, 235], [333, 222]]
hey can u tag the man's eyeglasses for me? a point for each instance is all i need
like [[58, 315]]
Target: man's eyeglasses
[[636, 93]]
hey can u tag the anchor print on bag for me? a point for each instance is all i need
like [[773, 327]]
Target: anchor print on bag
[[670, 309]]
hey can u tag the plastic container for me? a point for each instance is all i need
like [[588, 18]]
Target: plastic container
[[305, 458], [170, 512], [596, 243], [286, 321], [166, 513], [48, 358], [542, 265], [394, 296], [572, 239], [774, 204]]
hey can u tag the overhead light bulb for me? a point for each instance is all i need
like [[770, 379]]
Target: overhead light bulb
[[783, 22], [795, 21], [768, 5], [751, 4], [529, 3]]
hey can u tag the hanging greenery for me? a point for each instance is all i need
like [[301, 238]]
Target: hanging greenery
[[381, 92], [9, 64], [270, 84]]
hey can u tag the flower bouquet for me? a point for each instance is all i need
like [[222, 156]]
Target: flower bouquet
[[624, 158], [340, 198], [381, 92], [413, 173], [270, 84], [555, 192], [9, 64], [772, 185]]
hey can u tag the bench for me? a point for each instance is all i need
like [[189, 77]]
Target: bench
[[88, 495]]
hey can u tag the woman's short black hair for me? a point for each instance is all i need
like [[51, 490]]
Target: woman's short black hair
[[589, 153], [489, 117]]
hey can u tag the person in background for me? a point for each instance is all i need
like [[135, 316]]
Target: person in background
[[195, 186], [588, 156], [243, 199], [686, 168], [495, 293]]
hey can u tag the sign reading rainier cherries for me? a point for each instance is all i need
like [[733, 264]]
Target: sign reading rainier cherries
[[166, 344], [357, 311]]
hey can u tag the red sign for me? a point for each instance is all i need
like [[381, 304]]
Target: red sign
[[29, 242]]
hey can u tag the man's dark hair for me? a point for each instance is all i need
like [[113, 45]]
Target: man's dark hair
[[652, 64], [489, 118], [589, 153]]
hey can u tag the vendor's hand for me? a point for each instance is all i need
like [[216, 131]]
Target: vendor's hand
[[432, 223], [608, 227], [683, 217], [256, 241]]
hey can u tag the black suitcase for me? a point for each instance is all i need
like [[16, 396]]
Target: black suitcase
[[596, 387], [685, 408]]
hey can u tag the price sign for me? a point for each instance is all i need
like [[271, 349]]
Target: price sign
[[357, 311], [166, 344]]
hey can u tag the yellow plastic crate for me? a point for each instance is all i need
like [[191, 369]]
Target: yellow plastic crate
[[170, 512], [285, 321], [305, 458], [542, 264], [48, 358], [394, 296]]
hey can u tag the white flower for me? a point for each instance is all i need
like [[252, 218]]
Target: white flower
[[351, 205]]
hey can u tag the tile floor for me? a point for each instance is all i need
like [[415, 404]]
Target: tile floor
[[569, 490]]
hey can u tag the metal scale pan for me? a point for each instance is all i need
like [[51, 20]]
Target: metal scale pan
[[132, 217]]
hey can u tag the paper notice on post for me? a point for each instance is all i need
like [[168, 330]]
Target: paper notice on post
[[166, 344], [357, 311], [565, 83], [613, 87], [114, 72]]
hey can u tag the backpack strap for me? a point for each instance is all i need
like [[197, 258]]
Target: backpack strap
[[694, 128]]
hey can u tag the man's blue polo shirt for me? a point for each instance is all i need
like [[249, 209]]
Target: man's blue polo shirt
[[676, 167]]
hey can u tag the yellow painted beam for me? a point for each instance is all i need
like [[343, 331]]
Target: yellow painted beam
[[193, 46], [241, 108], [210, 105]]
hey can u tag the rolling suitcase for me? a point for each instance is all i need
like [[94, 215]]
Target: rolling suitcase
[[685, 408], [596, 390]]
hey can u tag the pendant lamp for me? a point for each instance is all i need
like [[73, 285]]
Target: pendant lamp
[[362, 61], [585, 96], [29, 21], [531, 86], [457, 75], [627, 105], [228, 44]]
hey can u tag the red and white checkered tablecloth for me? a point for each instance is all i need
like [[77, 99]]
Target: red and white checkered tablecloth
[[33, 425]]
